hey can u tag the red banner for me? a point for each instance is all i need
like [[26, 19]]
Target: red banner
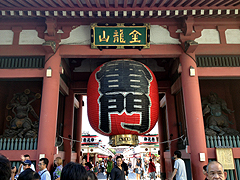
[[102, 156]]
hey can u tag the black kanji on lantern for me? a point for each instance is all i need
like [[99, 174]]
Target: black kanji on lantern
[[124, 86]]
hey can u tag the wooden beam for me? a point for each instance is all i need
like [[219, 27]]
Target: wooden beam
[[177, 85], [218, 72], [69, 2], [106, 4], [153, 3], [218, 49], [134, 3], [197, 2], [163, 86], [236, 153], [143, 3], [51, 3], [42, 3], [212, 153], [60, 3], [66, 68], [63, 87], [22, 50], [79, 3], [79, 86], [162, 3], [33, 3], [22, 73], [76, 103], [125, 3], [88, 3], [14, 155], [116, 3], [85, 51], [163, 101], [24, 3]]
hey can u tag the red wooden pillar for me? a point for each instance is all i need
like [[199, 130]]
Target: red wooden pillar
[[161, 139], [194, 118], [49, 109], [79, 130], [68, 126], [87, 157], [172, 127]]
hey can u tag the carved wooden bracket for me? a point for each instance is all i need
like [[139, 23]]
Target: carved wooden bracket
[[51, 33], [221, 30], [41, 30], [173, 30], [187, 32], [190, 32], [188, 26], [51, 26], [49, 46], [66, 32], [16, 30], [190, 46]]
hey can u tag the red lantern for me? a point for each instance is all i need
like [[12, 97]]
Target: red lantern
[[122, 98]]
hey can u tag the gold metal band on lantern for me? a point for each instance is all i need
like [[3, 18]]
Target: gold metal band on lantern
[[123, 140]]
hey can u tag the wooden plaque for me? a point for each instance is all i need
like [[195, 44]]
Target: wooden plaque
[[225, 157]]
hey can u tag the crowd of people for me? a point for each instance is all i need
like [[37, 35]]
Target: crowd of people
[[116, 169], [26, 170]]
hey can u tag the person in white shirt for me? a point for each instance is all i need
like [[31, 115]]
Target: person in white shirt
[[44, 173], [179, 167], [158, 172], [24, 158]]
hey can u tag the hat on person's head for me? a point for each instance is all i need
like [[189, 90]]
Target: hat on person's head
[[27, 162]]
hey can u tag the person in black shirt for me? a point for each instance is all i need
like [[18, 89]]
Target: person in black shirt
[[117, 172], [125, 167]]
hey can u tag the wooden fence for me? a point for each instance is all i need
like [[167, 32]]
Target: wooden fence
[[18, 144], [216, 141]]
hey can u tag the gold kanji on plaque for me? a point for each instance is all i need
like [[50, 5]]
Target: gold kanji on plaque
[[135, 35], [104, 37]]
